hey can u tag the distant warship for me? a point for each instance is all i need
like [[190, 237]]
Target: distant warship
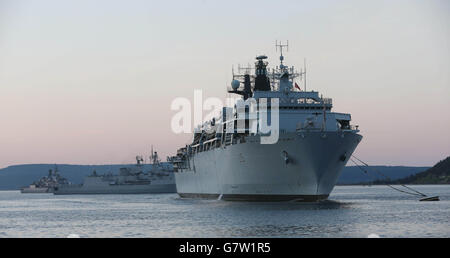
[[47, 184], [130, 180]]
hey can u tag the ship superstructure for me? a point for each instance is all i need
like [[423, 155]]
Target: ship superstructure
[[46, 184], [230, 162]]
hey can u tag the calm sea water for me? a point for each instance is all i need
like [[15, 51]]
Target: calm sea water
[[353, 211]]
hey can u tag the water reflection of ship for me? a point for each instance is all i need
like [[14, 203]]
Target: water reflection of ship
[[130, 180], [46, 184]]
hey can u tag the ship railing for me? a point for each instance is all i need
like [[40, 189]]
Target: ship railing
[[351, 128], [354, 127], [206, 145], [327, 101], [181, 151], [180, 163]]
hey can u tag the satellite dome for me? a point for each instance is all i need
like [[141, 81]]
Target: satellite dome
[[235, 84]]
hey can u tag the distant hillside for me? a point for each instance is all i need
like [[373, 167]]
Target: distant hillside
[[353, 175], [438, 174], [15, 177]]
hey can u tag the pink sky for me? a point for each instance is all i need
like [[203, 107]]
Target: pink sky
[[91, 82]]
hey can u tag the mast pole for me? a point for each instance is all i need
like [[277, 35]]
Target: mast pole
[[304, 64]]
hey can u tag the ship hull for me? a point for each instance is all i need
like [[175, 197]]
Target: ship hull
[[37, 190], [252, 171], [256, 197], [117, 189]]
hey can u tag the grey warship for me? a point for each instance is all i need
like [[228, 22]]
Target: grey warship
[[228, 158], [130, 180], [47, 184]]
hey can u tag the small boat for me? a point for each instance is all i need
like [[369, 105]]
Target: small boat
[[430, 199]]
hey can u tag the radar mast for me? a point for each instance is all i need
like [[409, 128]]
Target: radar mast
[[281, 46]]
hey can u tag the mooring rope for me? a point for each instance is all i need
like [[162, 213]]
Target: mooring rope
[[416, 193]]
